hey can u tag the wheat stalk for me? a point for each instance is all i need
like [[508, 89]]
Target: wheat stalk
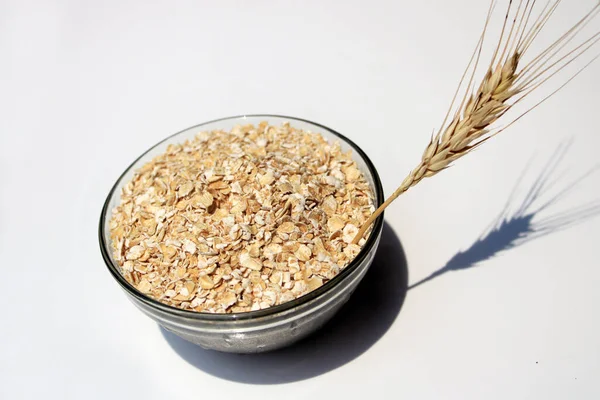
[[506, 82]]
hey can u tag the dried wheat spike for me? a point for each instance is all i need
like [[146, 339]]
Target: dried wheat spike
[[507, 81]]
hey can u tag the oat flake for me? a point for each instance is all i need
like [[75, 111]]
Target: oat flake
[[241, 220]]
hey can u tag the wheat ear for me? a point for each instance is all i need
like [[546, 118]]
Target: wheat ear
[[506, 82]]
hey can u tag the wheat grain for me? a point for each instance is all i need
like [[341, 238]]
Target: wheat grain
[[507, 81]]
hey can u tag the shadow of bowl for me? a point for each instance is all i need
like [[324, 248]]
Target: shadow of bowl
[[361, 322]]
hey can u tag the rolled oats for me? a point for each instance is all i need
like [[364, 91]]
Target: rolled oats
[[241, 220]]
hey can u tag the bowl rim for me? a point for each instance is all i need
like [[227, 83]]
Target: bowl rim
[[270, 311]]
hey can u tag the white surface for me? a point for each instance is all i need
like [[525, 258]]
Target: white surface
[[86, 86]]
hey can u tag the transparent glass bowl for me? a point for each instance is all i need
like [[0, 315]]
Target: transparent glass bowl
[[254, 331]]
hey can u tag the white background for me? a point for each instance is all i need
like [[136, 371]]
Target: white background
[[86, 86]]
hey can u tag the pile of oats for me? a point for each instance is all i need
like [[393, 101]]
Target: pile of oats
[[238, 221]]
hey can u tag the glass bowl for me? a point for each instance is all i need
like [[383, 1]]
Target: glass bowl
[[266, 329]]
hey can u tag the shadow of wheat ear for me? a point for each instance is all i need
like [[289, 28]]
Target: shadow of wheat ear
[[510, 77]]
